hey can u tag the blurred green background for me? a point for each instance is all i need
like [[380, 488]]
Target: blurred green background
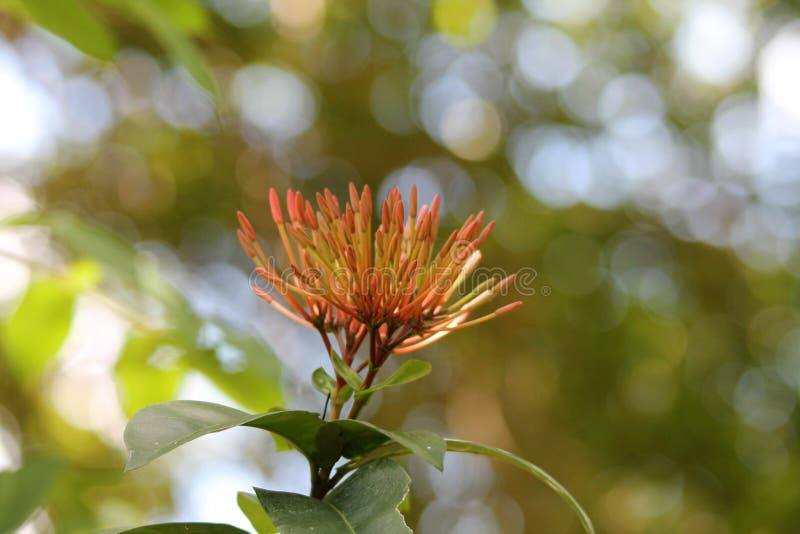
[[642, 160]]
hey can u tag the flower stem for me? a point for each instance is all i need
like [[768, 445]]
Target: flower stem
[[320, 483], [358, 404]]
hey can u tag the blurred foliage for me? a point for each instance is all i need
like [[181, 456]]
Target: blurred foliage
[[22, 491], [655, 369]]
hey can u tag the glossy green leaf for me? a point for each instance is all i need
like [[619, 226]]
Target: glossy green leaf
[[322, 381], [409, 371], [185, 528], [70, 20], [32, 336], [22, 491], [386, 484], [160, 428], [292, 513], [345, 510], [455, 445], [361, 438], [255, 513], [330, 442], [345, 371], [148, 371]]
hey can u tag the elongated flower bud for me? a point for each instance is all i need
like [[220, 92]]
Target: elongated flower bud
[[246, 226], [275, 207]]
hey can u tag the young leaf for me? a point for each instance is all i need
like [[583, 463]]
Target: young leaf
[[345, 371], [23, 490], [157, 429], [344, 394], [255, 513], [71, 21], [408, 372], [292, 513], [386, 484], [185, 528], [322, 381]]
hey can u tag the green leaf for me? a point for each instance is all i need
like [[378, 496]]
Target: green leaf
[[344, 395], [386, 485], [345, 371], [405, 506], [160, 428], [362, 438], [455, 445], [254, 381], [408, 372], [185, 15], [322, 381], [148, 371], [185, 528], [70, 20], [292, 513], [330, 442], [35, 332], [23, 490], [365, 503], [177, 44], [255, 513]]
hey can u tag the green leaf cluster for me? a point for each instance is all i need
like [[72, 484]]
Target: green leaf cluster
[[345, 510], [160, 428]]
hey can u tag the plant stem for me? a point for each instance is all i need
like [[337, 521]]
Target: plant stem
[[320, 483], [358, 404], [374, 366], [336, 408]]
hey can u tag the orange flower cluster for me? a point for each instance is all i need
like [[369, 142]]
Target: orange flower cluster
[[345, 280]]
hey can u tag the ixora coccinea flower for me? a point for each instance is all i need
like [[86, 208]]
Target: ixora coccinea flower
[[391, 287], [392, 291]]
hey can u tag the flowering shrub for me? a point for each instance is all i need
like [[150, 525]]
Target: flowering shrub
[[390, 292]]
